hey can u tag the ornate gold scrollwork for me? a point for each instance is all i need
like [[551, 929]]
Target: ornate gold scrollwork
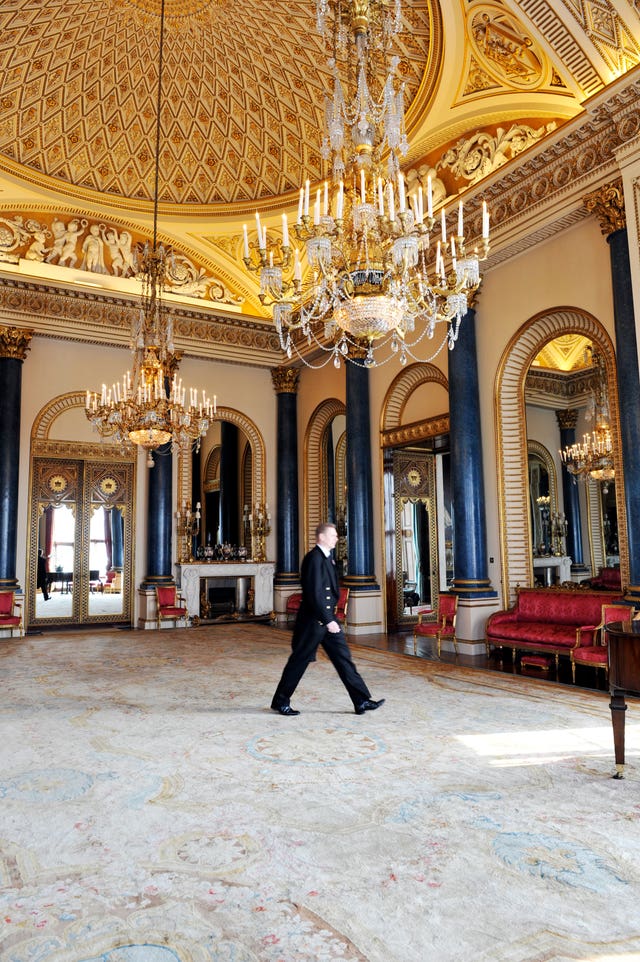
[[15, 342], [607, 203]]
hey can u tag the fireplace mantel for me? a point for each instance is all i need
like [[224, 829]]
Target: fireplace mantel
[[262, 574]]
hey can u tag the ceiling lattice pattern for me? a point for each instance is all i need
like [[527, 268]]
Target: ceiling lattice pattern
[[243, 106]]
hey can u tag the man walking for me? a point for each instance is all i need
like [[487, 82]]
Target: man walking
[[316, 624]]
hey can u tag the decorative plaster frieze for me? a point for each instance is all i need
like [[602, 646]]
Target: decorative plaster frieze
[[96, 247], [100, 319]]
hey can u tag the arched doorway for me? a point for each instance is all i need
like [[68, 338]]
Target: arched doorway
[[81, 518]]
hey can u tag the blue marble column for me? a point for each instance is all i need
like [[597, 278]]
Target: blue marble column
[[14, 344], [361, 564], [607, 203], [567, 421], [285, 383], [469, 521], [629, 396], [160, 519]]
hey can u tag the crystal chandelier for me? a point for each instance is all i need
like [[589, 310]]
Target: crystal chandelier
[[376, 284], [593, 456], [149, 407]]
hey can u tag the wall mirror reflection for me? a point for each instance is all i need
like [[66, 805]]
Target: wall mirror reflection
[[572, 518], [221, 481]]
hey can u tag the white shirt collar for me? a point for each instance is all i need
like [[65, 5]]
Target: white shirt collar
[[326, 551]]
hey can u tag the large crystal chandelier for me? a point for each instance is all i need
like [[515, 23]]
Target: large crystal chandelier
[[376, 284], [593, 456], [149, 407]]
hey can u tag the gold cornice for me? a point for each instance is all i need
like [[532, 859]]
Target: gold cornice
[[285, 380], [418, 431], [106, 319], [607, 203], [15, 342]]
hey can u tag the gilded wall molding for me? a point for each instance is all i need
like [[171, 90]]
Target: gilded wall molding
[[411, 433], [15, 342], [555, 177], [511, 425]]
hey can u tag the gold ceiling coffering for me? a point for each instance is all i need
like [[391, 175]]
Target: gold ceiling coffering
[[149, 407], [375, 280], [592, 458]]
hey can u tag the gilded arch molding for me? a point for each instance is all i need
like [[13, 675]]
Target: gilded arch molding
[[510, 418], [258, 462], [315, 479], [42, 445]]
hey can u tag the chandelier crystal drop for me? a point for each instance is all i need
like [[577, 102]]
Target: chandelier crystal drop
[[377, 280], [150, 406], [592, 458]]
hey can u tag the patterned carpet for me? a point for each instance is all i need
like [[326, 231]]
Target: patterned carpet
[[152, 809]]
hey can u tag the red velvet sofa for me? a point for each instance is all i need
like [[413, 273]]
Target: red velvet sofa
[[607, 579], [548, 621]]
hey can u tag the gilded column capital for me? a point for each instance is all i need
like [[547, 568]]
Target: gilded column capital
[[15, 342], [285, 379], [567, 419], [607, 203]]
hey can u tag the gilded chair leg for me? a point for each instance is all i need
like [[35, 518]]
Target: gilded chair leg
[[455, 645], [573, 670], [415, 643]]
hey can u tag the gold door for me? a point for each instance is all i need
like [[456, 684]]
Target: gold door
[[82, 528]]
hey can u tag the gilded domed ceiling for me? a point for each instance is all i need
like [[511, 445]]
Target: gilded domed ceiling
[[242, 106], [243, 119]]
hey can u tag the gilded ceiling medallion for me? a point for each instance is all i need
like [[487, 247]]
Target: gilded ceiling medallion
[[505, 50]]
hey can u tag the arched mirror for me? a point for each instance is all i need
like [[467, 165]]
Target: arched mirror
[[573, 518], [415, 532], [221, 481], [543, 498]]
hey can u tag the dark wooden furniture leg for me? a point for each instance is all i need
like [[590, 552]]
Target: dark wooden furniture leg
[[618, 708]]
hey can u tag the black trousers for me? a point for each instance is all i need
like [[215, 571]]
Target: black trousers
[[304, 646]]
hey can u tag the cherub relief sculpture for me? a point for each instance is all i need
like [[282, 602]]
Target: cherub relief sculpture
[[104, 250], [93, 252]]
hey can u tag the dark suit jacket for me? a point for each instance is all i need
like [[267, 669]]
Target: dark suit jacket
[[320, 594]]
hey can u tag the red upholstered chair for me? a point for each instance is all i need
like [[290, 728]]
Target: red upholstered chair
[[597, 655], [293, 603], [341, 607], [294, 600], [171, 606], [11, 613], [443, 627]]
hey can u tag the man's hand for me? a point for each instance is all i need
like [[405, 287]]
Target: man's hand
[[333, 628]]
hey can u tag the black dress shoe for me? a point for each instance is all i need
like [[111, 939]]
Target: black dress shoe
[[284, 710], [368, 705]]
